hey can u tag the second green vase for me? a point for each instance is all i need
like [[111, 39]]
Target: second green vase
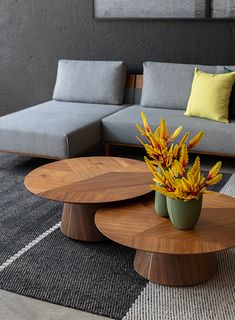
[[160, 205]]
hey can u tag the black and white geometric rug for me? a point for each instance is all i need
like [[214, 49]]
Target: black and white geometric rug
[[36, 260]]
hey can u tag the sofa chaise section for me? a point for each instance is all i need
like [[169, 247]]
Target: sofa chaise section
[[54, 129], [85, 92]]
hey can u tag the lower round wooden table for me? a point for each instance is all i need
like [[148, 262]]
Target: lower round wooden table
[[166, 255], [83, 184]]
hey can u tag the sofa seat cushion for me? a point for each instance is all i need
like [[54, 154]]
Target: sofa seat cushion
[[120, 128], [54, 129]]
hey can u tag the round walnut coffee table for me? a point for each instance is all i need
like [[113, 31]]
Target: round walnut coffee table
[[166, 255], [83, 184]]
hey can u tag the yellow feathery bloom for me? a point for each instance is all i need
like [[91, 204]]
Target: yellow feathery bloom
[[214, 180], [162, 191], [157, 133], [202, 180], [163, 130], [174, 135], [145, 122], [154, 141], [140, 129], [169, 177], [184, 156], [190, 178], [150, 149], [159, 179], [140, 141], [204, 190], [186, 184], [214, 170], [175, 151], [196, 139], [151, 167], [174, 168], [196, 166], [184, 139]]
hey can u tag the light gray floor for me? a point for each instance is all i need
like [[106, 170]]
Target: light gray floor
[[16, 307]]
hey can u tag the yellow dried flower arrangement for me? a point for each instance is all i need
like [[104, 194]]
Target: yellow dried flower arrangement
[[175, 179], [160, 146], [184, 184]]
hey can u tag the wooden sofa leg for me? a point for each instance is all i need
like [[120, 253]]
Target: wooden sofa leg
[[107, 148]]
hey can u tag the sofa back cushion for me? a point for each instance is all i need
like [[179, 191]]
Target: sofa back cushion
[[232, 96], [90, 81], [220, 69], [168, 85]]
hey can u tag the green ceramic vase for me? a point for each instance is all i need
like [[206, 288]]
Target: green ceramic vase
[[160, 203], [184, 214]]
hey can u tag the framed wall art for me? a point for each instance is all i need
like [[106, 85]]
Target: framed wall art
[[164, 9], [150, 9], [223, 9]]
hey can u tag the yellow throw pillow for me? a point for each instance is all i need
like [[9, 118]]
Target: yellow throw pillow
[[210, 96]]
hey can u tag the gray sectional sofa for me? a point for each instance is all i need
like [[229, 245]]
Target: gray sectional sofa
[[88, 108]]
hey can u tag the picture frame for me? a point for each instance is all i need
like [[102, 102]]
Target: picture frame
[[150, 9], [223, 9], [167, 10]]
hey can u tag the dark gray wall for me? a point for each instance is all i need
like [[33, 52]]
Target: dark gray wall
[[34, 34]]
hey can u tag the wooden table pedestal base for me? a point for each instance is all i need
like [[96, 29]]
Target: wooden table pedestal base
[[78, 222], [175, 270]]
